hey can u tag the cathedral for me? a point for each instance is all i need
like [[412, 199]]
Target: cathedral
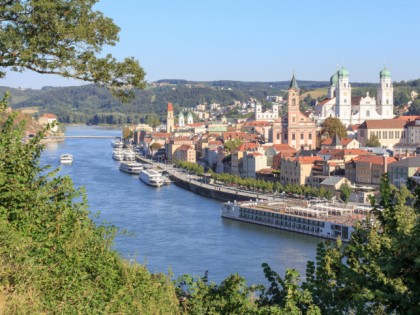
[[355, 110], [294, 128]]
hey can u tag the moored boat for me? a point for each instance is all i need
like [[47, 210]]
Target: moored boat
[[131, 167], [324, 220], [151, 177], [117, 143], [129, 155], [66, 158], [118, 155]]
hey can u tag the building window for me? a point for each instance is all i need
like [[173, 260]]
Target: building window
[[367, 113], [391, 135], [384, 134], [293, 102], [278, 136], [293, 137], [397, 134], [301, 136], [310, 136]]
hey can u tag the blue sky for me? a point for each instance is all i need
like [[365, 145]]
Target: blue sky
[[260, 40]]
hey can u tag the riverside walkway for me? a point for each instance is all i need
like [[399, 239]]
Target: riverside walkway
[[197, 184]]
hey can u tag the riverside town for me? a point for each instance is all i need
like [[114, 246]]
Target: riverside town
[[209, 157]]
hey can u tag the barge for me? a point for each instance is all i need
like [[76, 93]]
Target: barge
[[316, 218]]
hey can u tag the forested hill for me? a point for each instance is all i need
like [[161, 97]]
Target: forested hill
[[95, 105]]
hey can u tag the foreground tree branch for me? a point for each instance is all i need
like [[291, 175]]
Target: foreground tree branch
[[64, 38]]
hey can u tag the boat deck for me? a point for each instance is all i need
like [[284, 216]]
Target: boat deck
[[327, 211]]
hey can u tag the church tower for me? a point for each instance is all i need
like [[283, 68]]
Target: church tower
[[181, 120], [293, 101], [343, 100], [333, 85], [170, 119], [301, 130], [190, 118], [385, 95]]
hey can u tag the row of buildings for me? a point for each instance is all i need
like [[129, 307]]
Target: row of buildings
[[287, 148]]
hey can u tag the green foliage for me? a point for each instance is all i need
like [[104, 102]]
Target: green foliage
[[52, 253], [333, 126], [232, 145], [345, 192], [373, 142], [191, 167], [414, 107], [63, 37]]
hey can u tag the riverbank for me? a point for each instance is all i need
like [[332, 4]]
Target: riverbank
[[198, 185]]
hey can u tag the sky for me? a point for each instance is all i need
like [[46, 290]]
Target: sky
[[259, 40]]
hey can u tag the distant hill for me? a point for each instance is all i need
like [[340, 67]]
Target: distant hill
[[93, 104]]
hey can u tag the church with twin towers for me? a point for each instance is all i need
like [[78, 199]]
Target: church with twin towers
[[352, 110]]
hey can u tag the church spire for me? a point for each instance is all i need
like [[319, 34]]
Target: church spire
[[293, 83]]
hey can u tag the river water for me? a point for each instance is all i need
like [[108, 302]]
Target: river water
[[170, 228]]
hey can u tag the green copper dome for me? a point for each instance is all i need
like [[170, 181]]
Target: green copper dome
[[334, 79], [385, 73], [343, 72]]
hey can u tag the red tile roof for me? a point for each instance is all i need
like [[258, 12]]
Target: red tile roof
[[355, 100], [185, 147], [346, 141], [268, 170], [408, 118], [49, 115], [383, 124], [160, 135], [325, 101], [260, 123], [283, 147], [356, 152], [305, 159], [373, 159], [248, 146]]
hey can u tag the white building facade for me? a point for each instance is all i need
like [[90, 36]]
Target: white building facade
[[355, 110]]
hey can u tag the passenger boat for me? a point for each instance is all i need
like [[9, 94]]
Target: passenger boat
[[129, 155], [131, 167], [313, 218], [151, 177], [166, 180], [66, 158], [118, 155], [117, 143]]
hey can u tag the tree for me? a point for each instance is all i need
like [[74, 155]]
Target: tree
[[232, 145], [64, 37], [373, 142], [154, 147], [333, 126], [127, 132], [414, 107], [345, 192], [152, 120]]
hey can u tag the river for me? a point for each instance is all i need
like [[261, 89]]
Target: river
[[170, 228]]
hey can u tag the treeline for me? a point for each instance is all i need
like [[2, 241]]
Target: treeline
[[95, 105], [254, 184]]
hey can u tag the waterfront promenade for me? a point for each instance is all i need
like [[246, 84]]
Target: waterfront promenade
[[199, 185]]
